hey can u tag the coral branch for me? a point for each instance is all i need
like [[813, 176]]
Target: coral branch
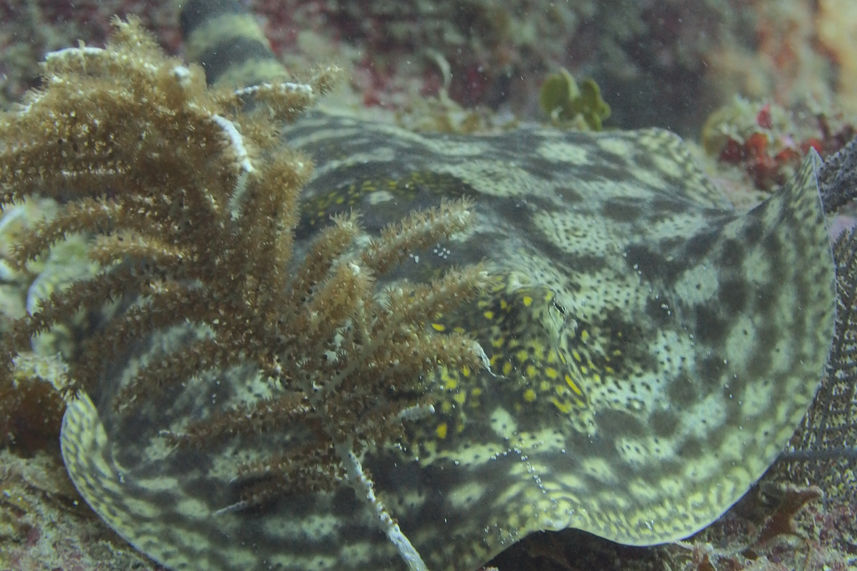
[[188, 202]]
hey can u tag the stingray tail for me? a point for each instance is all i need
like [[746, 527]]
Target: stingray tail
[[224, 37]]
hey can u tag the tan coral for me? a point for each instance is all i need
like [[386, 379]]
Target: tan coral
[[192, 202]]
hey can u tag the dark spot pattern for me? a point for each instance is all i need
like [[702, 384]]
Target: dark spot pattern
[[733, 294], [592, 305], [711, 326]]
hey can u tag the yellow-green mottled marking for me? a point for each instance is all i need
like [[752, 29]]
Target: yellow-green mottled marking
[[650, 351]]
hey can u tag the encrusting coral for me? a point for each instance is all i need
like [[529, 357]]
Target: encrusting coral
[[191, 200]]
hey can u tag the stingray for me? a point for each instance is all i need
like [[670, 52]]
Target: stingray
[[649, 351]]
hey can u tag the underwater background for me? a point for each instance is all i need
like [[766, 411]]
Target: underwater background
[[751, 85]]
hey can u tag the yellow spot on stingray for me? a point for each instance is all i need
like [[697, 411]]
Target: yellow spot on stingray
[[551, 372], [564, 407], [573, 385], [488, 314], [441, 430], [522, 355], [529, 395], [438, 326], [449, 382], [531, 371], [465, 370], [528, 300], [507, 368], [460, 397], [576, 355], [584, 335]]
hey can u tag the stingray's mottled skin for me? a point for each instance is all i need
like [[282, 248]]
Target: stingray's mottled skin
[[651, 351]]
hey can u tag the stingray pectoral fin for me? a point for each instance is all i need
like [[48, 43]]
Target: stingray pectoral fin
[[693, 387], [694, 376], [737, 335], [89, 460]]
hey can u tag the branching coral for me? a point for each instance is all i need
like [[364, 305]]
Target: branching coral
[[191, 202]]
